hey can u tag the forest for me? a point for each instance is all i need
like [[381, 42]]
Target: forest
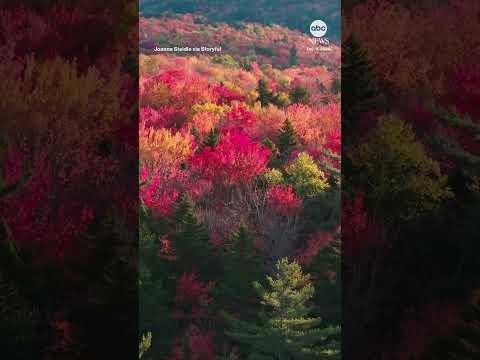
[[262, 202], [240, 193], [68, 180], [410, 195], [287, 13]]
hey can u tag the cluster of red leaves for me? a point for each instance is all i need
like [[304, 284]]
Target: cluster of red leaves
[[283, 200], [164, 117], [160, 201], [315, 243], [192, 296], [161, 192], [64, 333], [36, 224], [240, 117], [177, 88], [202, 346], [463, 91], [63, 32], [236, 159], [333, 142], [226, 96], [421, 327]]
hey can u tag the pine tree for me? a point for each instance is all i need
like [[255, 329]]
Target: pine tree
[[242, 241], [242, 266], [287, 139], [265, 96], [184, 211], [293, 56], [144, 345], [285, 330], [336, 86], [299, 95], [468, 162], [212, 138], [191, 242], [359, 90], [326, 269], [155, 289], [195, 133]]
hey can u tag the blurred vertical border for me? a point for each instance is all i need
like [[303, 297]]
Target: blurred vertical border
[[410, 164], [68, 179]]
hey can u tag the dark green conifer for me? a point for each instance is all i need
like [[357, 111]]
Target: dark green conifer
[[242, 266], [293, 56], [265, 96], [299, 95], [191, 242], [359, 89], [287, 139], [212, 138]]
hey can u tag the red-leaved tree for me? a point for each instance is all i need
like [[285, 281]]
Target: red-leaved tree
[[236, 159]]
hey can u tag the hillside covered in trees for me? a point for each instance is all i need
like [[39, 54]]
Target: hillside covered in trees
[[240, 194], [288, 13], [245, 42]]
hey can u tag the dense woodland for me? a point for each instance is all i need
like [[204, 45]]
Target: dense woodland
[[240, 194], [292, 14], [410, 195], [238, 199], [245, 42], [68, 180]]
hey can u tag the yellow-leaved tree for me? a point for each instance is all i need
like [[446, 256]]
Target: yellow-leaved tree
[[401, 180]]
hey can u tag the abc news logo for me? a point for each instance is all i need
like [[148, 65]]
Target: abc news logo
[[318, 28]]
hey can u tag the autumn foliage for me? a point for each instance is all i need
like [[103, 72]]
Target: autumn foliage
[[217, 181]]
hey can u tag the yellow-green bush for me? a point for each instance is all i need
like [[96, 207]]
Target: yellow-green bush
[[399, 177], [306, 177]]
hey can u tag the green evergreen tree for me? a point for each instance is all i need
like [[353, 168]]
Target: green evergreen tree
[[287, 139], [155, 288], [144, 345], [191, 242], [465, 178], [242, 266], [212, 138], [326, 270], [245, 64], [336, 86], [195, 133], [265, 96], [359, 93], [299, 95], [293, 56], [184, 214], [285, 330]]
